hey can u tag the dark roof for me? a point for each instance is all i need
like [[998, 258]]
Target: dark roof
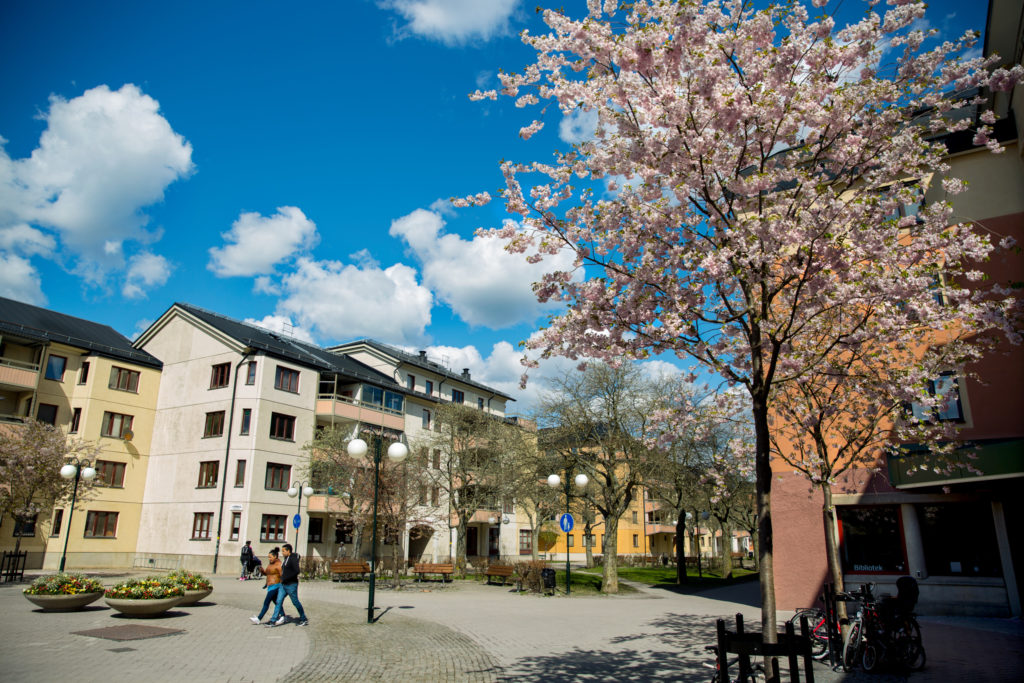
[[421, 361], [288, 348], [36, 324]]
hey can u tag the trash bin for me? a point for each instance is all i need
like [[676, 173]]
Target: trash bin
[[547, 580]]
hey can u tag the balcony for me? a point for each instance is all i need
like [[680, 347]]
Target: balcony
[[351, 409], [17, 375], [656, 528]]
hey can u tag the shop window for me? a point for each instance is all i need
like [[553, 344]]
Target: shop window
[[959, 539], [871, 539]]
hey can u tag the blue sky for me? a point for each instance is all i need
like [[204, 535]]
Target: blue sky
[[281, 163]]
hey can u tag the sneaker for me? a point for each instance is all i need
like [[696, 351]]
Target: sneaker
[[304, 622], [280, 621], [255, 620]]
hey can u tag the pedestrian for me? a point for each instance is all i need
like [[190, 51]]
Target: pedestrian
[[273, 584], [289, 587], [246, 560]]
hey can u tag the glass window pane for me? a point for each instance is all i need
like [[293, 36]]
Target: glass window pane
[[871, 539], [959, 539]]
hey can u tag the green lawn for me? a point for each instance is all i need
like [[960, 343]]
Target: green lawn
[[666, 576]]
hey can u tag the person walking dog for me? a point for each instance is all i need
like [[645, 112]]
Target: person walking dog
[[289, 587]]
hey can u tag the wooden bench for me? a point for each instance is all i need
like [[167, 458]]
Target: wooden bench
[[339, 568], [503, 571], [443, 570]]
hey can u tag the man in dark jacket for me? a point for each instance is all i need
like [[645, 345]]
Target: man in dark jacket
[[289, 587], [246, 560]]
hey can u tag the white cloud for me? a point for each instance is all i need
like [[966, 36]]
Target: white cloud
[[483, 284], [341, 301], [578, 126], [283, 325], [27, 240], [19, 280], [103, 158], [264, 284], [454, 21], [145, 271], [255, 243]]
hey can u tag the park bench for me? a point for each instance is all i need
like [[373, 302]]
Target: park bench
[[339, 568], [443, 570], [494, 571]]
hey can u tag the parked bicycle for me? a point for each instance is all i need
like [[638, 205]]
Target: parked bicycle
[[885, 632], [750, 676]]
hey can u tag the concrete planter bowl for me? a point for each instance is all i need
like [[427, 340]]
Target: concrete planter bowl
[[63, 603], [194, 596], [145, 607]]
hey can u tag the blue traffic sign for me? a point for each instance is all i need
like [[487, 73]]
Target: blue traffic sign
[[566, 522], [296, 520]]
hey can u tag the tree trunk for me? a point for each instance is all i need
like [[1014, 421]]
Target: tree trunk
[[588, 531], [535, 542], [681, 576], [357, 541], [460, 546], [610, 548], [726, 548], [832, 547], [766, 563]]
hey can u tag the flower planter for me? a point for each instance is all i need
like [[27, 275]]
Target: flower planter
[[194, 596], [141, 607], [63, 603]]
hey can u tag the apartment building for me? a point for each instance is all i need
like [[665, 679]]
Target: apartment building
[[88, 380], [958, 533]]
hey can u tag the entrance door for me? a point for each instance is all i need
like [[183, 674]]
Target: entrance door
[[472, 542], [493, 534]]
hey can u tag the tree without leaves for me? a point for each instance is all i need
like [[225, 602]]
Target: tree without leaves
[[31, 456], [715, 246], [598, 422]]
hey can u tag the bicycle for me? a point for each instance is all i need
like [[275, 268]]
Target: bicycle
[[743, 677], [886, 631], [819, 631]]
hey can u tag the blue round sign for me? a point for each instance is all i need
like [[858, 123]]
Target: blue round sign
[[296, 520], [566, 522]]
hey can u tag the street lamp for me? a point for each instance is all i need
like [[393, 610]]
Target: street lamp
[[554, 481], [299, 489], [76, 469], [397, 452]]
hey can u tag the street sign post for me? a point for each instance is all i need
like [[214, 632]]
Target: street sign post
[[566, 523], [296, 521]]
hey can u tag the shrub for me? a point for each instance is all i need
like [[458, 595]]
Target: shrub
[[314, 568], [528, 574], [147, 588], [63, 584], [190, 581]]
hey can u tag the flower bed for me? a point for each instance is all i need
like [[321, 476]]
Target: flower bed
[[190, 581], [64, 584], [147, 588]]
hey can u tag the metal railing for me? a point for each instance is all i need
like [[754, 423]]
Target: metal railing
[[361, 404]]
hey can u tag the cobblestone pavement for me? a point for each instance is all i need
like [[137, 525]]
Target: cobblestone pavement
[[444, 632]]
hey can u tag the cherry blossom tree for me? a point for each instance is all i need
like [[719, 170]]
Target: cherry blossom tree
[[748, 178], [31, 455]]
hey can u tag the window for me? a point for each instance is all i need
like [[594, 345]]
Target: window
[[220, 375], [428, 388], [116, 424], [246, 421], [124, 379], [480, 403], [458, 396], [422, 498], [569, 540], [437, 458], [634, 516], [240, 474], [100, 524], [282, 426], [76, 420], [110, 473], [272, 528], [287, 379], [948, 406], [410, 382], [871, 539], [47, 413], [435, 496], [208, 472], [426, 419], [236, 526], [278, 477], [214, 424], [25, 527], [316, 530], [55, 368], [83, 374], [525, 541], [58, 521], [636, 540], [373, 395], [201, 526], [959, 539], [343, 531], [250, 372], [393, 401]]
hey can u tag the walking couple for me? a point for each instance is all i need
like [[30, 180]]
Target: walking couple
[[282, 580]]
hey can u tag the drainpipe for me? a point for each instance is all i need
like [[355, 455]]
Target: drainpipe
[[247, 352]]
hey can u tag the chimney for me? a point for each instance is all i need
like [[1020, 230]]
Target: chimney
[[465, 373], [423, 356]]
